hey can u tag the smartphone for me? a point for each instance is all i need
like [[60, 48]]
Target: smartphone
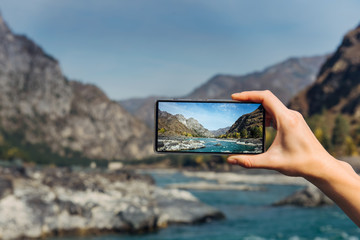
[[211, 126]]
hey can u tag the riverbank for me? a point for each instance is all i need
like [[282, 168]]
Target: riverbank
[[247, 210], [38, 202], [172, 144], [209, 145]]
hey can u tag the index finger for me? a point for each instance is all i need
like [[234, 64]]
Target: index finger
[[270, 102]]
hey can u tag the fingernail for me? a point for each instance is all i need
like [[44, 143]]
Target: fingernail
[[232, 160]]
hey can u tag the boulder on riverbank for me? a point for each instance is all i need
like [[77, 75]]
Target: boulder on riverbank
[[170, 144], [36, 203], [310, 196]]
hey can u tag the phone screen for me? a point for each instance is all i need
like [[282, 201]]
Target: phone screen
[[217, 127]]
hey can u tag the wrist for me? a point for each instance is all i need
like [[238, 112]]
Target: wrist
[[323, 169], [330, 171]]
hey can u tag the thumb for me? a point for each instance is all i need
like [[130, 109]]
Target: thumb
[[250, 161]]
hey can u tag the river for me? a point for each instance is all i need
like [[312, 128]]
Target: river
[[219, 145], [250, 216]]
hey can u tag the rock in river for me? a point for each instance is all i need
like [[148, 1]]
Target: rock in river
[[36, 203], [307, 197]]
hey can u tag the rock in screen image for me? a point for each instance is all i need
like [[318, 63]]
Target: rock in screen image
[[210, 127]]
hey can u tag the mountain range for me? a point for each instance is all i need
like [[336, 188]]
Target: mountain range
[[284, 79], [39, 105], [178, 125], [44, 107]]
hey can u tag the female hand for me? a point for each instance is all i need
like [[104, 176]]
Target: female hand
[[296, 152]]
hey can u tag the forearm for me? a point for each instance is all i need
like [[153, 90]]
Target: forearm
[[340, 183]]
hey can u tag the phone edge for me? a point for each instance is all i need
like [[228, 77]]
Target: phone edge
[[202, 100]]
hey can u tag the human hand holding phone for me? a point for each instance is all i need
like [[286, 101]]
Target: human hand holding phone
[[296, 152], [295, 148]]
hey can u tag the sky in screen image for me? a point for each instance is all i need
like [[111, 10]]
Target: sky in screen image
[[211, 115], [167, 48]]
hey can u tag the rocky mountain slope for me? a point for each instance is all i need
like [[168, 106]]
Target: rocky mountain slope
[[337, 87], [38, 102], [171, 125], [177, 125], [285, 79], [248, 121]]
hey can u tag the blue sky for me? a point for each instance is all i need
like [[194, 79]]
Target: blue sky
[[211, 115], [137, 48]]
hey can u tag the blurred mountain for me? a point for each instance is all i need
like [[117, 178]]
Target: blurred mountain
[[142, 108], [337, 87], [284, 79], [40, 106]]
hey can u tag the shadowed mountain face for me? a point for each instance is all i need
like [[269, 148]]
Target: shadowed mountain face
[[248, 122], [284, 79], [40, 103], [337, 87]]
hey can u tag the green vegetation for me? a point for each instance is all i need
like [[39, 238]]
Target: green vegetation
[[335, 134], [252, 132], [161, 130], [340, 131], [244, 133], [256, 131], [186, 134], [13, 147]]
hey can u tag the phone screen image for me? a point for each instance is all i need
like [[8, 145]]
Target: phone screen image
[[217, 127]]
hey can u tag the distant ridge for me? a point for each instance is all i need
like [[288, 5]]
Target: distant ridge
[[285, 79]]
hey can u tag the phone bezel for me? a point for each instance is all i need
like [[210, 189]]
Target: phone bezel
[[201, 101]]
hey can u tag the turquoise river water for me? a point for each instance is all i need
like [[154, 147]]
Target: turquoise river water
[[250, 216], [219, 145]]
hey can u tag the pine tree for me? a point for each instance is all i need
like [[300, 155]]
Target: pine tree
[[244, 133], [340, 131]]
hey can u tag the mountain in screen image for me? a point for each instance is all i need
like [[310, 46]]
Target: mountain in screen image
[[178, 125], [249, 125], [220, 131]]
